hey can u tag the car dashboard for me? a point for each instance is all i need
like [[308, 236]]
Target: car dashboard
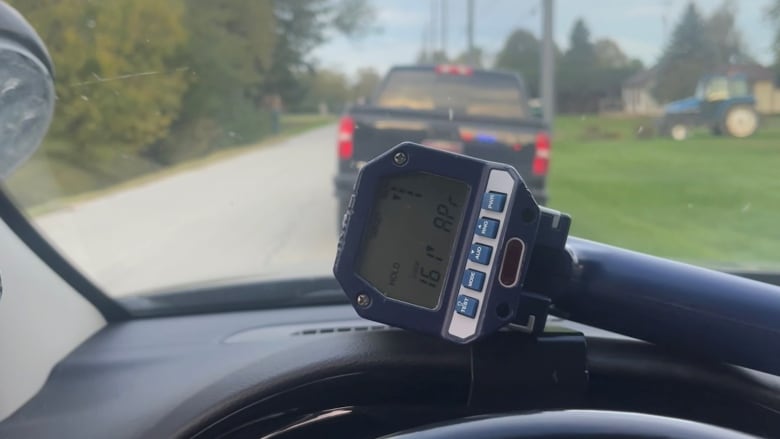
[[324, 372]]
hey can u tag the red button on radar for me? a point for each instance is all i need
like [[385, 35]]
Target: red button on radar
[[510, 267]]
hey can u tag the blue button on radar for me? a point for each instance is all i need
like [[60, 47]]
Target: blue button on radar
[[494, 201], [473, 279], [487, 227], [480, 253], [466, 306]]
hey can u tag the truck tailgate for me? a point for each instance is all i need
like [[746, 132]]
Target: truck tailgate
[[508, 141]]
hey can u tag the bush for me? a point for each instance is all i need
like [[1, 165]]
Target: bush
[[116, 79]]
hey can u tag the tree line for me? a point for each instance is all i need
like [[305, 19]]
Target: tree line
[[589, 72], [176, 78], [171, 79]]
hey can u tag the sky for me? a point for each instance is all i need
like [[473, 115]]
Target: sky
[[640, 27]]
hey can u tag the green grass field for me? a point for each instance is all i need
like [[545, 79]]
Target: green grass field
[[711, 200]]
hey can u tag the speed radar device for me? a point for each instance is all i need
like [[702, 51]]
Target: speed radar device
[[440, 243]]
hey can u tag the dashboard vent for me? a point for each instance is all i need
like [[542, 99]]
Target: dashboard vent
[[276, 332], [339, 329]]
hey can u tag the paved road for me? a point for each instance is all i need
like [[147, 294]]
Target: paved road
[[268, 212]]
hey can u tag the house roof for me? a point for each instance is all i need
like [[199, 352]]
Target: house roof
[[753, 72], [642, 77]]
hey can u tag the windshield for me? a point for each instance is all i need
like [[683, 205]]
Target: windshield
[[202, 141], [486, 94]]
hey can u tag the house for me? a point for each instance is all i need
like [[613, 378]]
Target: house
[[637, 99], [762, 80]]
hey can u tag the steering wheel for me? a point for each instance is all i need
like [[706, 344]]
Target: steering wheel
[[578, 424]]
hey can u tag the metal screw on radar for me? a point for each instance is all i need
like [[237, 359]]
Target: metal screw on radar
[[363, 300], [400, 158]]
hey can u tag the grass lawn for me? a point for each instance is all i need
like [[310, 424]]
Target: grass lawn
[[711, 200]]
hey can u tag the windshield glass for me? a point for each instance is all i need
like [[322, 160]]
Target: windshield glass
[[485, 94], [196, 141]]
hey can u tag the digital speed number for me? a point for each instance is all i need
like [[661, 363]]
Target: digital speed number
[[407, 252]]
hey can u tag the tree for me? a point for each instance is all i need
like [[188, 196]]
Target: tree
[[246, 58], [329, 88], [773, 15], [587, 71], [613, 67], [301, 26], [578, 73], [119, 82], [609, 55], [688, 55], [721, 30], [579, 63], [367, 81], [470, 57], [521, 54], [228, 55]]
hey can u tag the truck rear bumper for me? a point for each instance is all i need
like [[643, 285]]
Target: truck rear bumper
[[344, 183]]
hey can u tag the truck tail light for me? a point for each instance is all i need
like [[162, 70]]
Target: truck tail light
[[542, 156], [346, 130], [454, 69]]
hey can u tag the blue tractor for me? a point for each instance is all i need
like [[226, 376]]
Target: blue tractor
[[723, 103]]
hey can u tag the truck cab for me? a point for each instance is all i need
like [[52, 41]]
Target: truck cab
[[480, 113]]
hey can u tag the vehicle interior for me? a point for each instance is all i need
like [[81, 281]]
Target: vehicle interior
[[219, 327]]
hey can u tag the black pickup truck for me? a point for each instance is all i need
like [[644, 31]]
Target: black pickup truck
[[479, 113]]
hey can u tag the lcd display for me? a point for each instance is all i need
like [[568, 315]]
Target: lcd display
[[411, 233]]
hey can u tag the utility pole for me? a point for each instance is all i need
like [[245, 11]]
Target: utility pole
[[424, 46], [470, 25], [548, 63], [444, 20], [432, 31]]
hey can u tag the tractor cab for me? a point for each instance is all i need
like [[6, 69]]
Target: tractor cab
[[723, 103], [716, 88]]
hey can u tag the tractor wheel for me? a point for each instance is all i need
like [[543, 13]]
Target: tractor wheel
[[679, 131], [740, 121]]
